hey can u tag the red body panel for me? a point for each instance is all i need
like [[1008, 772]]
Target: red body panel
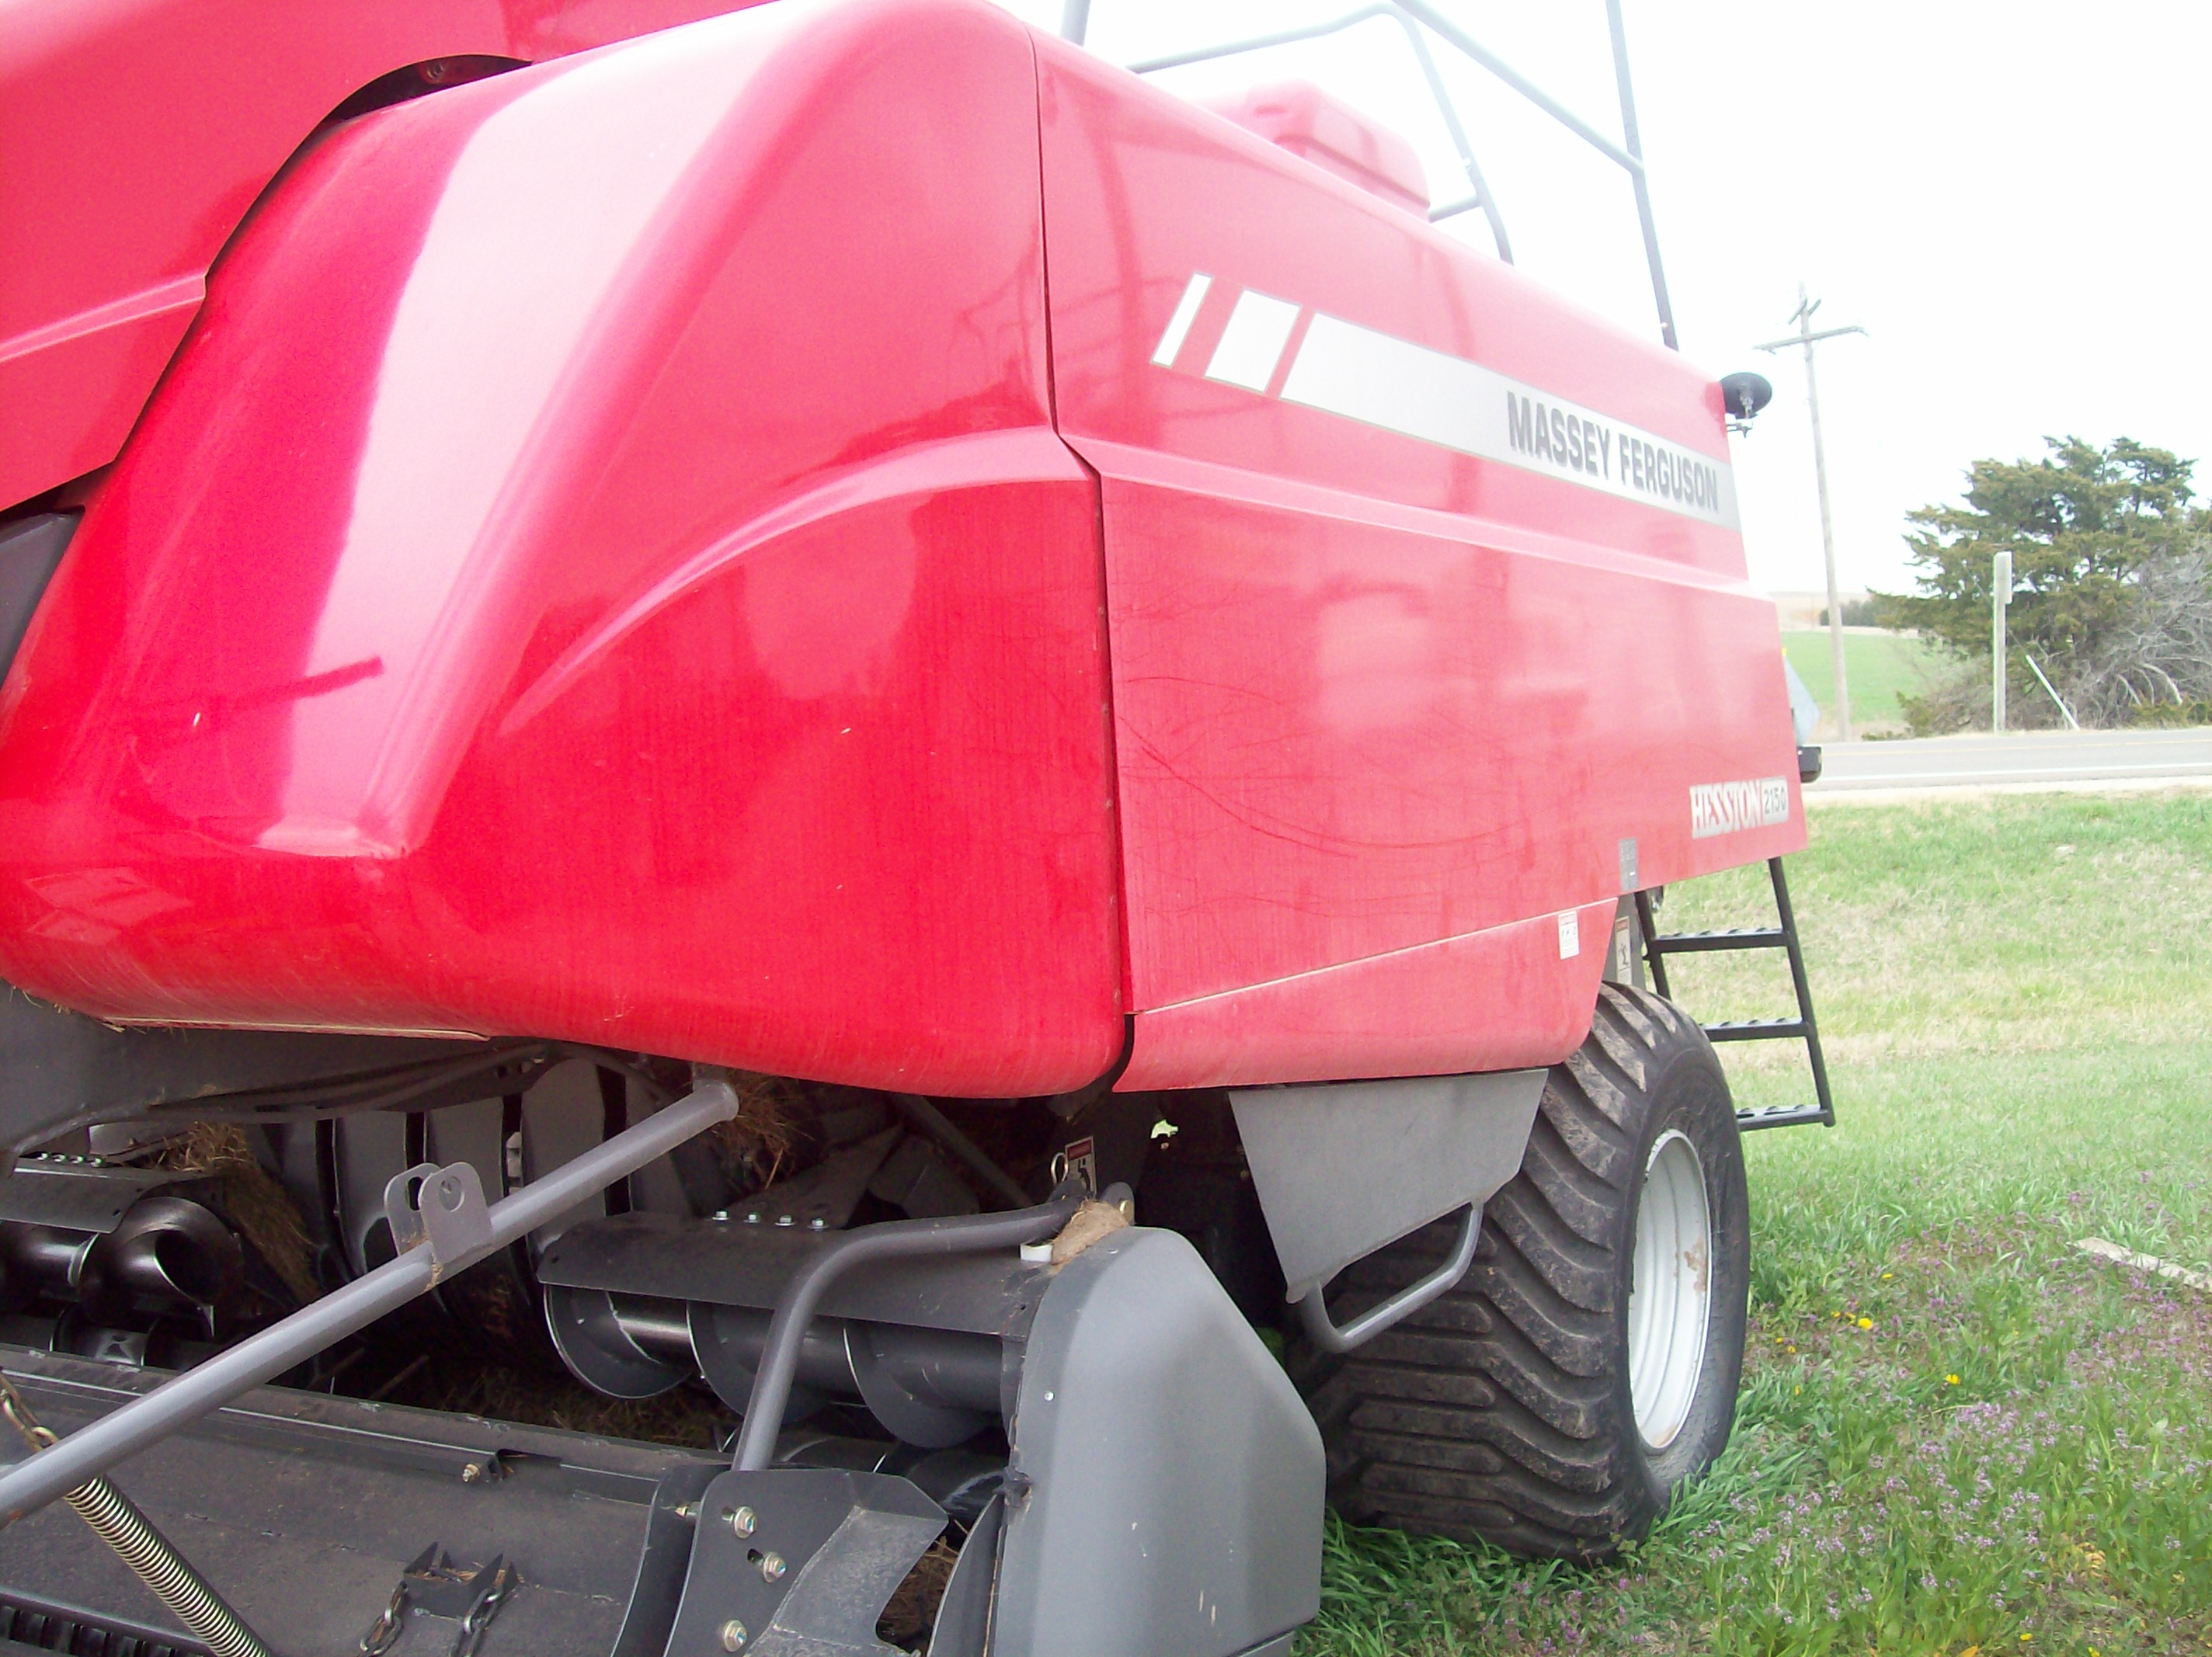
[[1376, 701], [138, 132], [608, 563], [601, 566]]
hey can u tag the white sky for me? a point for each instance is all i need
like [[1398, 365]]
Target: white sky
[[2006, 197]]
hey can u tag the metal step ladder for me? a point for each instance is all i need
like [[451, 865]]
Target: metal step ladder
[[1658, 945]]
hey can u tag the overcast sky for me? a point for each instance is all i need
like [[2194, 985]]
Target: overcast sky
[[2008, 197]]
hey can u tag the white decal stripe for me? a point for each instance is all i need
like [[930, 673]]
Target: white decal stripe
[[1186, 312], [1252, 344], [1381, 381]]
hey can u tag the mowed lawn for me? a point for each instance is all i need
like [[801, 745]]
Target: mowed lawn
[[1957, 1433], [1880, 666]]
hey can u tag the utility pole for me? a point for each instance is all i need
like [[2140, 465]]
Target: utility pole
[[1807, 339], [2001, 601]]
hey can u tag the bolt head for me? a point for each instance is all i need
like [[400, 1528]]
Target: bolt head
[[473, 1473], [743, 1520], [771, 1567], [734, 1635]]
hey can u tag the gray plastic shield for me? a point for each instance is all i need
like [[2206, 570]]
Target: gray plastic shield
[[1165, 1494], [1343, 1168]]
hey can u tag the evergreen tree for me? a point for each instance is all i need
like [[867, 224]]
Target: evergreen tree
[[2079, 523]]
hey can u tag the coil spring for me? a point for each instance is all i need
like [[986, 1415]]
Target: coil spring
[[116, 1520], [118, 1523]]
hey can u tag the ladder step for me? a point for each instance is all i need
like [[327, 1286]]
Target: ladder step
[[1741, 938], [1757, 1029], [1779, 1116]]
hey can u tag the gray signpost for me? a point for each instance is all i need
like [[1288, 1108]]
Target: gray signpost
[[2000, 601]]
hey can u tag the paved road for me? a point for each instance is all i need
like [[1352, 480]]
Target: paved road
[[2024, 759]]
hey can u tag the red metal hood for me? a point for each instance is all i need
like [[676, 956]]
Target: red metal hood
[[601, 566], [139, 132]]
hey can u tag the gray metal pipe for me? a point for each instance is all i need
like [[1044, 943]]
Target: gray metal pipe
[[1629, 133], [88, 1454], [895, 1239]]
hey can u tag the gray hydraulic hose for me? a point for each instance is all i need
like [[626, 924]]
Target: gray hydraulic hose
[[898, 1239], [122, 1434]]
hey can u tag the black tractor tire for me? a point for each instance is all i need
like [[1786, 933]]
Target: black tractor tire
[[1503, 1410]]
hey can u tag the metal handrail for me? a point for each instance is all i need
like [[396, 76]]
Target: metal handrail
[[1321, 1330], [892, 1239], [1415, 15]]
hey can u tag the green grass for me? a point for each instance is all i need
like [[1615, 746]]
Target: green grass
[[1880, 666], [2016, 1453]]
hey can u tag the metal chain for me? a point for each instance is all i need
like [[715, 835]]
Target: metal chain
[[384, 1633], [116, 1520], [504, 1583]]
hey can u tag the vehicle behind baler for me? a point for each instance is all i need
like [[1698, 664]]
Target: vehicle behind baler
[[739, 693]]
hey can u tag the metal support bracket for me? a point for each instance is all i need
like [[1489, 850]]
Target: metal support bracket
[[437, 1589], [1313, 1306], [452, 1219], [799, 1562]]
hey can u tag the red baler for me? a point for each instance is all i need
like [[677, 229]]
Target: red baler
[[877, 643]]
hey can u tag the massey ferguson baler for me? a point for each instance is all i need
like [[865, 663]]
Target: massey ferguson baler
[[739, 692]]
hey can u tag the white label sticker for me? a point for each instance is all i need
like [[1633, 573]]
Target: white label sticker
[[1727, 808], [1571, 934]]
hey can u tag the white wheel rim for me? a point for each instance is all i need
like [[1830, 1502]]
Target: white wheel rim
[[1671, 1289]]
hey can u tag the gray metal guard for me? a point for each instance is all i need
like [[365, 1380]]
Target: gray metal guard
[[1343, 1168]]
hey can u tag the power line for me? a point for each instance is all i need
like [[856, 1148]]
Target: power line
[[1807, 337]]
